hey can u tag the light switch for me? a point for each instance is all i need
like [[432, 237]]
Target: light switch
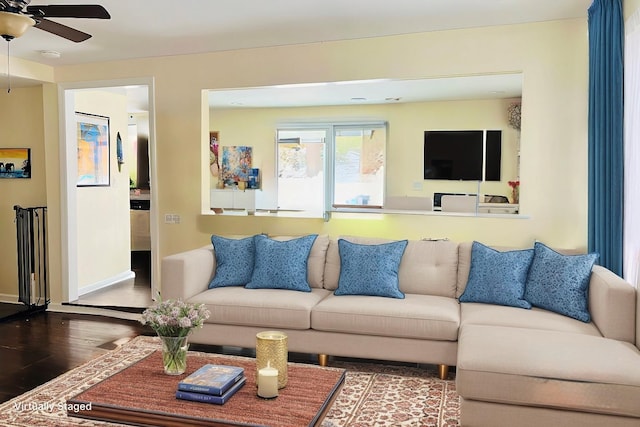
[[171, 219]]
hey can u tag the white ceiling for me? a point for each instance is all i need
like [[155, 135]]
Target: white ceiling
[[371, 92], [144, 28]]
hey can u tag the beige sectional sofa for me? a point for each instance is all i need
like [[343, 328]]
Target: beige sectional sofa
[[514, 367]]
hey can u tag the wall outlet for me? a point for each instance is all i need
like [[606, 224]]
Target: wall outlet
[[171, 219], [417, 186]]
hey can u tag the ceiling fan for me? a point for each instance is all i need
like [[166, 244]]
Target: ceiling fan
[[17, 16]]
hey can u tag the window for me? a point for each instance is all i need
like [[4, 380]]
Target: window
[[325, 167], [359, 166], [301, 177]]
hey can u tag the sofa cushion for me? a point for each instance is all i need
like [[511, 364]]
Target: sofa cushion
[[317, 257], [370, 269], [281, 264], [536, 318], [560, 283], [550, 369], [390, 317], [234, 261], [497, 277], [464, 263], [427, 267], [266, 308]]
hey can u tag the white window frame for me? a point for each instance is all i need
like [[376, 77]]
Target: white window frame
[[329, 158]]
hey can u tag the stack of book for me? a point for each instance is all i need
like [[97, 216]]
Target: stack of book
[[212, 384]]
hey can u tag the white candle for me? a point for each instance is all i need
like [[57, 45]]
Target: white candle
[[268, 382]]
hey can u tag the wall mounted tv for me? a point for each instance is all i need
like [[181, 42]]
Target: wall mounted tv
[[462, 155]]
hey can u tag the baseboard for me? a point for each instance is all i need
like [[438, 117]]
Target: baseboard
[[77, 309], [67, 308], [9, 298], [125, 275]]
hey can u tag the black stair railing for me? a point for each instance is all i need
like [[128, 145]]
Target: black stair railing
[[33, 278]]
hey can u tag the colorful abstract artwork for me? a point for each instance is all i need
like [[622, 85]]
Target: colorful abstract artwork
[[214, 150], [236, 164], [15, 163], [93, 150]]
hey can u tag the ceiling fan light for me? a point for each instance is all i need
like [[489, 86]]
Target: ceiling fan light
[[14, 25]]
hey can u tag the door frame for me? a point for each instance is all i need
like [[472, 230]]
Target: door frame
[[69, 171]]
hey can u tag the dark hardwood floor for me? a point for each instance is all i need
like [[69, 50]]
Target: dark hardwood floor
[[37, 348]]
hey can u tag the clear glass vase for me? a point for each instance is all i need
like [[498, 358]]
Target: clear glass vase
[[174, 354]]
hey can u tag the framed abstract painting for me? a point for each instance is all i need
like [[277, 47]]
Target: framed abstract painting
[[236, 164], [93, 150]]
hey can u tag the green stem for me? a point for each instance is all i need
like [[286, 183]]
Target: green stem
[[174, 354]]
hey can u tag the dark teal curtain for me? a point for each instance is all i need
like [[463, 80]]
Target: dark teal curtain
[[606, 126]]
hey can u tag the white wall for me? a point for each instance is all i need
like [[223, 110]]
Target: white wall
[[103, 212]]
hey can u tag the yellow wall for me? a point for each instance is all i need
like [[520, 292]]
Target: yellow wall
[[405, 139], [103, 212], [551, 55], [23, 71], [629, 7], [21, 126]]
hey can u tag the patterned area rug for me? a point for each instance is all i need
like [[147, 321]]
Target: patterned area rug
[[373, 394]]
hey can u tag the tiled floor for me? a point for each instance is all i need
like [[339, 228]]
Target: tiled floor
[[131, 293]]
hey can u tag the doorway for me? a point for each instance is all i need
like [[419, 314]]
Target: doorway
[[113, 286]]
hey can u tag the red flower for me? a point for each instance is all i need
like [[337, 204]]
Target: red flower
[[514, 184]]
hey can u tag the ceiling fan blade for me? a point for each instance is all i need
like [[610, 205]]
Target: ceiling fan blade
[[62, 30], [94, 11]]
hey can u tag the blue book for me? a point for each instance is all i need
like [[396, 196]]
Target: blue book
[[212, 379], [209, 398]]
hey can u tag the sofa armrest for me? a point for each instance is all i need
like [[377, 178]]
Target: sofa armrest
[[612, 304], [187, 273]]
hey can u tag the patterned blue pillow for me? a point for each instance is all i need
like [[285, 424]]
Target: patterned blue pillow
[[234, 261], [281, 264], [497, 277], [560, 283], [370, 269]]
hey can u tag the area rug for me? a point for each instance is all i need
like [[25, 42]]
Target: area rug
[[373, 394]]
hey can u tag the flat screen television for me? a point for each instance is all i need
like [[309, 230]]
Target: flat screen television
[[463, 155]]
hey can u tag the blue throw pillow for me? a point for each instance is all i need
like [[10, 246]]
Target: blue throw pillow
[[370, 269], [497, 277], [234, 261], [560, 283], [281, 264]]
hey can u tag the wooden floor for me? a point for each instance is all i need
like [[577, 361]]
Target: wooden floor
[[41, 346], [37, 348]]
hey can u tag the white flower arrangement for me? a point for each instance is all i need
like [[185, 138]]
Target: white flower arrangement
[[175, 318]]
